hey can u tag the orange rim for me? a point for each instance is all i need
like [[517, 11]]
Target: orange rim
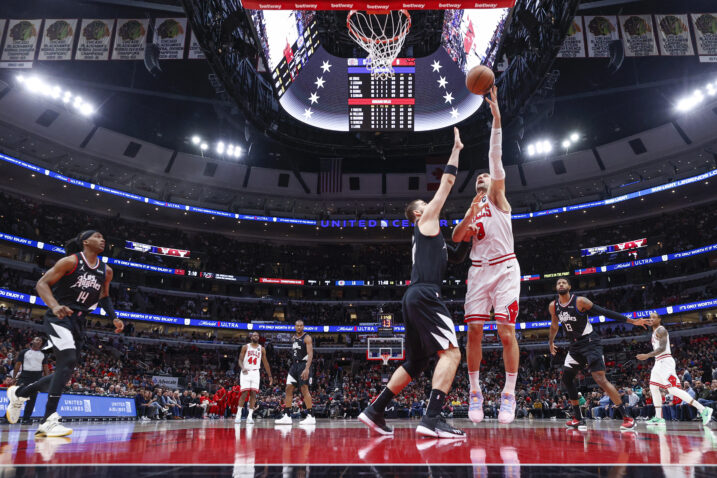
[[373, 12]]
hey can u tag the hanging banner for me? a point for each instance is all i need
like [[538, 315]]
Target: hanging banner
[[170, 35], [130, 39], [600, 31], [705, 26], [21, 41], [2, 29], [638, 35], [57, 39], [195, 51], [673, 35], [574, 43], [95, 37]]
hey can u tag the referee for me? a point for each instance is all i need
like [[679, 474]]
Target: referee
[[33, 363]]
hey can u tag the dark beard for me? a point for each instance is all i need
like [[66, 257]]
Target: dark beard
[[565, 292]]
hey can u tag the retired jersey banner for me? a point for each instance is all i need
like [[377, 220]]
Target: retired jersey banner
[[195, 51], [638, 35], [574, 42], [620, 246], [673, 34], [600, 31], [57, 39], [130, 39], [21, 41], [170, 36], [95, 37], [705, 26]]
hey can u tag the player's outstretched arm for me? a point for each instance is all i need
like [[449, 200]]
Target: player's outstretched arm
[[584, 304], [496, 192], [429, 218], [44, 286], [661, 334], [553, 328]]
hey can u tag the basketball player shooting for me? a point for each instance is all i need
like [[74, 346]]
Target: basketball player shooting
[[585, 349], [429, 328], [72, 288], [251, 355], [494, 278], [664, 374]]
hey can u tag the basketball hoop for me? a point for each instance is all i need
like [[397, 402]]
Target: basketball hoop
[[385, 358], [382, 35]]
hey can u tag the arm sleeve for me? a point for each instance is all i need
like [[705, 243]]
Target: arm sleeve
[[495, 154], [458, 253], [106, 303], [609, 313]]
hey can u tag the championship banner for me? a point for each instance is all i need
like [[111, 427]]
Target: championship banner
[[705, 26], [21, 41], [160, 251], [195, 51], [170, 36], [638, 35], [130, 39], [621, 246], [95, 37], [380, 6], [574, 42], [600, 31], [57, 39], [673, 34]]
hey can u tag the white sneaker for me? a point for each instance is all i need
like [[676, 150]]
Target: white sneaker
[[285, 420], [249, 419], [52, 427], [309, 420], [14, 407], [237, 419]]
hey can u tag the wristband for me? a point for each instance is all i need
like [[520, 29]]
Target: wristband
[[450, 169]]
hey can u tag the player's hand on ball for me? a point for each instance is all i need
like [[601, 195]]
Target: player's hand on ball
[[457, 144], [119, 325], [642, 357], [305, 374]]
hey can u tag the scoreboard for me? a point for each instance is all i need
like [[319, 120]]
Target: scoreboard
[[381, 105]]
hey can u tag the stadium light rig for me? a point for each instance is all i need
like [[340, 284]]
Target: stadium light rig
[[222, 149], [36, 85], [544, 147]]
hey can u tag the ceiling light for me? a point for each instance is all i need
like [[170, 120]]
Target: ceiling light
[[547, 146], [196, 139], [574, 137], [86, 109], [220, 147], [204, 146], [237, 152], [566, 144]]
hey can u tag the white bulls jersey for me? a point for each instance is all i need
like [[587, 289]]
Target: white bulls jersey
[[252, 358], [494, 240], [656, 344]]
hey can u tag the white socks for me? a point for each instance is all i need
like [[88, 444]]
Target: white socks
[[510, 379], [251, 412], [474, 378]]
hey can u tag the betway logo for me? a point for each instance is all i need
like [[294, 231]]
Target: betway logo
[[376, 7], [271, 6], [415, 6], [342, 5], [485, 5], [306, 6], [454, 6]]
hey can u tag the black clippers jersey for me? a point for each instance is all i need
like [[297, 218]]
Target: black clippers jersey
[[298, 349], [576, 323], [430, 257], [81, 288]]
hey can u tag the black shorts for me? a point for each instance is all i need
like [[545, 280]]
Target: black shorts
[[66, 333], [586, 353], [294, 376], [429, 326], [26, 378]]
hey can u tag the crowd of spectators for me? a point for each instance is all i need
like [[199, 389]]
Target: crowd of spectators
[[665, 233], [208, 378]]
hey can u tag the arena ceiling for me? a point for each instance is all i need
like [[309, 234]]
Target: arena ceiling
[[184, 98]]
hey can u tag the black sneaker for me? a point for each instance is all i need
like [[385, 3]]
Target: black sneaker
[[437, 427], [375, 421]]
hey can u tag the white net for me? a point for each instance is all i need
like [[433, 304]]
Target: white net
[[381, 35]]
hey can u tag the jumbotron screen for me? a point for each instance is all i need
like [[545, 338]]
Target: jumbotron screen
[[424, 94]]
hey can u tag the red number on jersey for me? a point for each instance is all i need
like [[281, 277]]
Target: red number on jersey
[[253, 360], [480, 231]]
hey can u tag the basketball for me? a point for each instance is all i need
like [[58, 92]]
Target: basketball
[[479, 80]]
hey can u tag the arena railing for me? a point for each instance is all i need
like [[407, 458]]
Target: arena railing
[[310, 222], [360, 283], [362, 329]]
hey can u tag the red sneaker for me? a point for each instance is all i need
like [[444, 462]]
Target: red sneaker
[[576, 424], [627, 423]]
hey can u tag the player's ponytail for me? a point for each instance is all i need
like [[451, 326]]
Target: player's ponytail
[[74, 245]]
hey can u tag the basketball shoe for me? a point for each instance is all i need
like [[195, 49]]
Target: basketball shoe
[[706, 415], [309, 420], [576, 424], [437, 427], [284, 420], [656, 422], [475, 406], [51, 427], [375, 421], [14, 407], [628, 423], [507, 408]]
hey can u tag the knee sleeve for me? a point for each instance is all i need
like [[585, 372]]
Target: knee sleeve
[[415, 367], [569, 375], [64, 366]]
